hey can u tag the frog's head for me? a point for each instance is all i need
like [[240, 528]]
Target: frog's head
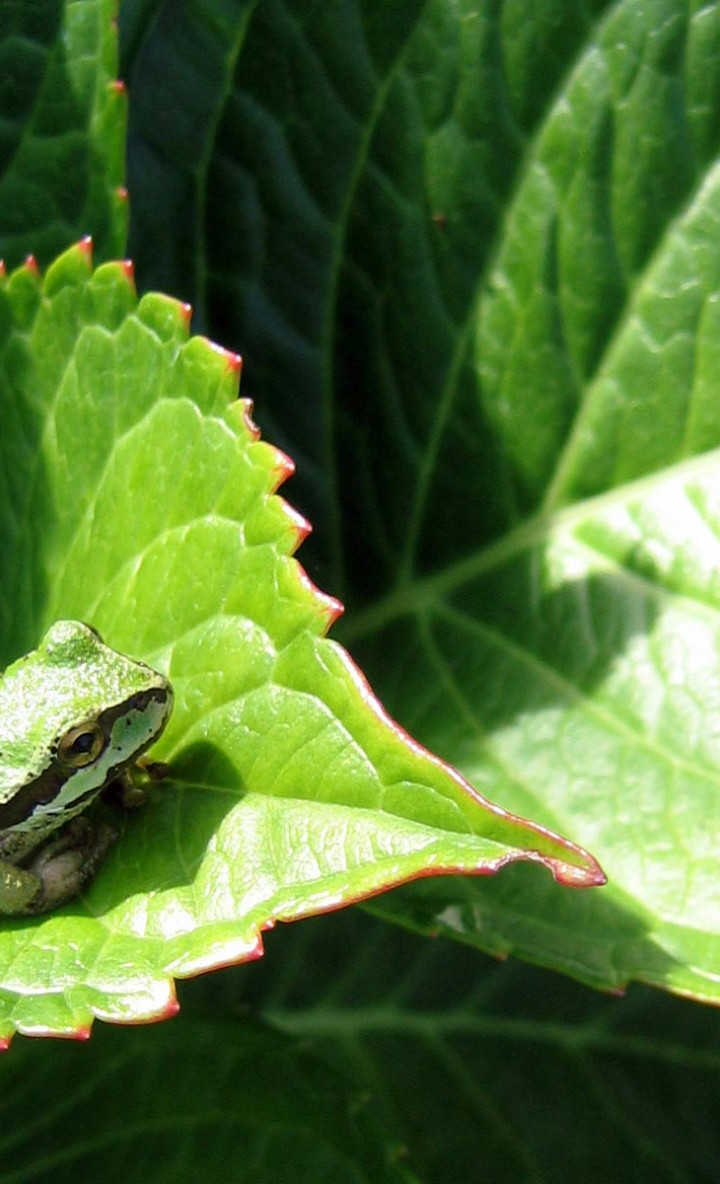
[[73, 715]]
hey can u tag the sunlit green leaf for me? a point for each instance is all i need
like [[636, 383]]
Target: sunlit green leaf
[[139, 499]]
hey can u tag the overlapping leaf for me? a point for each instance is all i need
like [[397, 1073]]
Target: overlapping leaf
[[470, 254], [506, 312], [257, 1106], [62, 123], [499, 1050]]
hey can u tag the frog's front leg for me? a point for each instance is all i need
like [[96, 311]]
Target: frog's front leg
[[56, 871]]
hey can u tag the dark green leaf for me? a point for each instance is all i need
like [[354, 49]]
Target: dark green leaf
[[62, 129], [489, 1071], [217, 1102], [471, 256]]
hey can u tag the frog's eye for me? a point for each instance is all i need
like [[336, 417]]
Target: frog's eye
[[82, 745]]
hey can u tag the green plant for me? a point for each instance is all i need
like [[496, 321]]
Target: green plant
[[469, 253]]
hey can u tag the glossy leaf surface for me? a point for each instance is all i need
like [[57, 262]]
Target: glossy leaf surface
[[469, 252], [141, 500], [478, 244]]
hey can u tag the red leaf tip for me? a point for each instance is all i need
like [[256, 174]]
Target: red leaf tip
[[333, 608], [31, 265], [572, 876], [233, 361], [585, 873], [301, 527], [328, 606], [118, 86], [283, 468], [251, 427]]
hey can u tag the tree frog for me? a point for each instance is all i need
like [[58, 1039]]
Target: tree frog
[[74, 716]]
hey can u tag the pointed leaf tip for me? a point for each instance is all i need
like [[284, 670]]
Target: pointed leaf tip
[[300, 525], [569, 864], [328, 607], [246, 411], [233, 360], [283, 468], [572, 876], [333, 609]]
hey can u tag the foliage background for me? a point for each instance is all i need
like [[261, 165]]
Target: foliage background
[[470, 254]]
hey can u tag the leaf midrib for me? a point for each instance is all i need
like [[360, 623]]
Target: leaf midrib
[[339, 1022], [418, 594]]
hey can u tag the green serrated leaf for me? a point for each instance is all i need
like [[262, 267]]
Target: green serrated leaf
[[140, 499]]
